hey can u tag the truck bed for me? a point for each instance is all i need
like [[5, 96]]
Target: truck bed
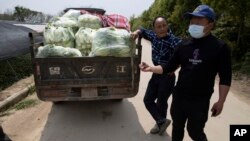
[[85, 78]]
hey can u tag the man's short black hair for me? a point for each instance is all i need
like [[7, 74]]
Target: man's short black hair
[[153, 24]]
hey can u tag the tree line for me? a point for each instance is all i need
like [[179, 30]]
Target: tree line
[[23, 14], [232, 25]]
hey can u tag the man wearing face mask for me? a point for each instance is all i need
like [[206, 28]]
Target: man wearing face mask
[[201, 58], [160, 86]]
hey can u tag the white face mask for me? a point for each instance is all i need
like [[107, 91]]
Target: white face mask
[[196, 31]]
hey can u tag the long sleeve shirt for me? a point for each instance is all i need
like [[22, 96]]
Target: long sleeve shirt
[[162, 48], [200, 61]]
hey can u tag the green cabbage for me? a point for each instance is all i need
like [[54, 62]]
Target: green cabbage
[[112, 42], [84, 38], [57, 51], [89, 21], [64, 22], [60, 36]]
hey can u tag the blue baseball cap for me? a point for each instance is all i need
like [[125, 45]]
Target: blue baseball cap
[[202, 11]]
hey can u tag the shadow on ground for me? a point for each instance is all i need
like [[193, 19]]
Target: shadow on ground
[[95, 121]]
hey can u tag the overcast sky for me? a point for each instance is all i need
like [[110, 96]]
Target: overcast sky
[[123, 7]]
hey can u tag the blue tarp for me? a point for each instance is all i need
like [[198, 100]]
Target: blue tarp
[[14, 40]]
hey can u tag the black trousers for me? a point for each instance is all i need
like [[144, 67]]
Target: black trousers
[[190, 111], [3, 137], [158, 91]]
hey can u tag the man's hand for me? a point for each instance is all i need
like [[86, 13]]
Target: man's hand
[[217, 108], [145, 67], [135, 34]]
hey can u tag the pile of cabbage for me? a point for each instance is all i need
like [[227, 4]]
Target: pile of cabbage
[[85, 36], [89, 21], [112, 42], [61, 36], [84, 39], [57, 51]]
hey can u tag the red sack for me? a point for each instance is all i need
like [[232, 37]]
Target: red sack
[[116, 20]]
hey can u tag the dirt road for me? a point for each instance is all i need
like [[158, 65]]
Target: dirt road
[[112, 121]]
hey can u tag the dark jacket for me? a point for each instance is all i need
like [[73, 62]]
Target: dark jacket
[[200, 61]]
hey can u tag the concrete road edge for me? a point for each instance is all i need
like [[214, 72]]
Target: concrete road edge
[[15, 98]]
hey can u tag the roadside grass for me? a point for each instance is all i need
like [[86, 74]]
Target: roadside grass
[[25, 104], [31, 90], [5, 113]]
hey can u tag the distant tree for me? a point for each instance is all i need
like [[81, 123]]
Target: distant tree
[[20, 13], [135, 22], [132, 20], [233, 24], [176, 19], [173, 10], [7, 15], [26, 15], [8, 12], [47, 18]]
